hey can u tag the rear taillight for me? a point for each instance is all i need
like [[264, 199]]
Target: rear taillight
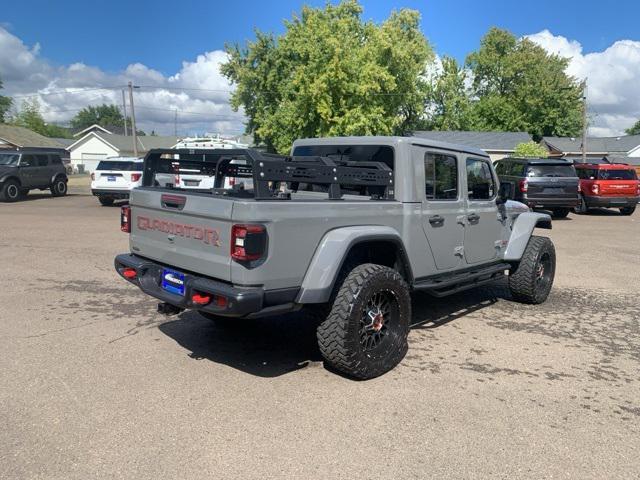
[[579, 187], [595, 189], [524, 185], [93, 176], [135, 177], [125, 219], [248, 242], [638, 190]]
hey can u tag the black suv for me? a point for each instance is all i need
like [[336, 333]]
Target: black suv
[[541, 183], [24, 170]]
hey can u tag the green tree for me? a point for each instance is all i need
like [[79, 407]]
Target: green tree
[[331, 73], [634, 130], [530, 150], [5, 105], [103, 115], [519, 86], [449, 104], [29, 116]]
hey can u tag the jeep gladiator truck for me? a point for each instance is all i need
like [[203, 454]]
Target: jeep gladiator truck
[[30, 169], [345, 227]]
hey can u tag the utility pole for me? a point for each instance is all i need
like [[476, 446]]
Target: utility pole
[[134, 132], [124, 111], [584, 121], [175, 123]]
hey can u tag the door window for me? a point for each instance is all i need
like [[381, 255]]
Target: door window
[[441, 176], [43, 160], [28, 161], [480, 182]]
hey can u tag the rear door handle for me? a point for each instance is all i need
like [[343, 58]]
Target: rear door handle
[[436, 220], [473, 218]]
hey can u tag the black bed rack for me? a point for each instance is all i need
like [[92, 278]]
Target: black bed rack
[[268, 170]]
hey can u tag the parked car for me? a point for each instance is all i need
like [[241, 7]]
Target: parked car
[[393, 215], [114, 178], [541, 183], [24, 170], [608, 185]]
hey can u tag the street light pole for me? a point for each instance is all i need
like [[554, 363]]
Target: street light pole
[[134, 131]]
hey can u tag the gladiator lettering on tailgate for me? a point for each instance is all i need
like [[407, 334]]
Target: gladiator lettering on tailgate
[[209, 236]]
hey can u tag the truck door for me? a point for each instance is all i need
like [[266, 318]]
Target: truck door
[[443, 209], [28, 170], [483, 222]]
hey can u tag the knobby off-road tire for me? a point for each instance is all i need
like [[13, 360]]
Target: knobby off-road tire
[[59, 188], [560, 212], [365, 334], [532, 280], [627, 210], [10, 191]]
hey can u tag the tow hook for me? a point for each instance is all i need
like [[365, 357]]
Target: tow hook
[[168, 309]]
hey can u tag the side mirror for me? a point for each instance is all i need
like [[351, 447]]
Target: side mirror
[[504, 193]]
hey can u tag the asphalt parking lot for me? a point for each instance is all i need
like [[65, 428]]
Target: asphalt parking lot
[[95, 384]]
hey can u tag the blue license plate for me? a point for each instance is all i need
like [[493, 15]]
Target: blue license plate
[[111, 178], [173, 281]]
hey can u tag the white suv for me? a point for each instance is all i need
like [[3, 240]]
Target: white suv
[[115, 177]]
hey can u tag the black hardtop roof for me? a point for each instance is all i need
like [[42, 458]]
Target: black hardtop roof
[[43, 150], [539, 161]]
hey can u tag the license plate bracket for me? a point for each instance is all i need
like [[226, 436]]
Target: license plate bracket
[[111, 178], [172, 281]]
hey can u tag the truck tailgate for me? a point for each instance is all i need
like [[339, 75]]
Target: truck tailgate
[[186, 232]]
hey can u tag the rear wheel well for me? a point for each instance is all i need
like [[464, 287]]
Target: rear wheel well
[[380, 252]]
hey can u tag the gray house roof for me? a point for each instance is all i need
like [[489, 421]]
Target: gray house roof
[[125, 144], [19, 137], [604, 145], [488, 141]]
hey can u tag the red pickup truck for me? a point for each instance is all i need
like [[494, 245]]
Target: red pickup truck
[[609, 186]]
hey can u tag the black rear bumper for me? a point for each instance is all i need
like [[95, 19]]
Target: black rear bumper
[[240, 301], [551, 202], [117, 194], [610, 202]]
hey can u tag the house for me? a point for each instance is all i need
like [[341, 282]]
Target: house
[[497, 144], [14, 137], [597, 147], [97, 145], [109, 130]]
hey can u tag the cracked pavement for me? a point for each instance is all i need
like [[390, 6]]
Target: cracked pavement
[[95, 384]]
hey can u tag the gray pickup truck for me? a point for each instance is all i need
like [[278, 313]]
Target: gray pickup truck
[[346, 228]]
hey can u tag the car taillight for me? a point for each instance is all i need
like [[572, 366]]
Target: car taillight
[[93, 176], [638, 191], [248, 242], [595, 189], [125, 219], [135, 177], [579, 187], [524, 185]]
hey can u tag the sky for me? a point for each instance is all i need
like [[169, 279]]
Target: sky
[[176, 48]]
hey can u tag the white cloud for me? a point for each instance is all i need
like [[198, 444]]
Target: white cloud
[[26, 74], [612, 76]]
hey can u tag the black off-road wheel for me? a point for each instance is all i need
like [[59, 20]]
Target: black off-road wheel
[[627, 210], [365, 335], [105, 201], [59, 187], [10, 191], [560, 212], [532, 280]]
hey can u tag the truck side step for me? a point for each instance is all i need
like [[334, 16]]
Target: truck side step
[[449, 283]]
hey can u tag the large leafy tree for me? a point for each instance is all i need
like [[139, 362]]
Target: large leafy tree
[[530, 149], [5, 105], [518, 85], [103, 115], [29, 116], [331, 73], [449, 103], [634, 130]]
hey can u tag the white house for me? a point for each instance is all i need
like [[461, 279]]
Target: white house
[[97, 145]]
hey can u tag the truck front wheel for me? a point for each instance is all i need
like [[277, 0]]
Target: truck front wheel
[[533, 277], [365, 335]]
